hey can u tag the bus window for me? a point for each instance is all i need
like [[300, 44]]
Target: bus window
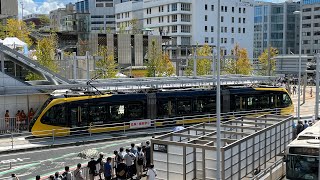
[[117, 112], [286, 101], [302, 167], [184, 107], [98, 114], [135, 111], [55, 116], [166, 108]]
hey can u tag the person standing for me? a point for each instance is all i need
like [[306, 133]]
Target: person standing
[[305, 124], [7, 119], [67, 174], [299, 127], [30, 115], [311, 92], [140, 162], [101, 162], [151, 173], [92, 168], [122, 170], [294, 90], [18, 118], [23, 119], [108, 169], [147, 154], [78, 173], [129, 158]]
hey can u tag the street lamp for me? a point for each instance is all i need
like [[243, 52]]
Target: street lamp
[[299, 76]]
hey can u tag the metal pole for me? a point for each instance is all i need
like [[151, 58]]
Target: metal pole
[[213, 63], [88, 65], [304, 87], [218, 97], [74, 66], [299, 76], [316, 109], [195, 63]]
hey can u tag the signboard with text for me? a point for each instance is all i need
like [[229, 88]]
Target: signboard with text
[[160, 148], [140, 124]]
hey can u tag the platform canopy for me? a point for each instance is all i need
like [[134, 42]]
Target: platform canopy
[[13, 42]]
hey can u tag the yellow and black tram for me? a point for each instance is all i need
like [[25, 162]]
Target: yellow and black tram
[[60, 113]]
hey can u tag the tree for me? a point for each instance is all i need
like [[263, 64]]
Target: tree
[[107, 67], [45, 53], [264, 63], [19, 29], [134, 26], [44, 20], [240, 64], [203, 64], [159, 63]]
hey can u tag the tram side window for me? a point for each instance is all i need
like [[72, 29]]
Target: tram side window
[[166, 108], [55, 116], [252, 103], [264, 102], [135, 111], [117, 112], [184, 107], [98, 114]]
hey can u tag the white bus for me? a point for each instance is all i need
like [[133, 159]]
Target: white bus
[[302, 155]]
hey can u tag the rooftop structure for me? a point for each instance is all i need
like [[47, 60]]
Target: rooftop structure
[[8, 9], [247, 144]]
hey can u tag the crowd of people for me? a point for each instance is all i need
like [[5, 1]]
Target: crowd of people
[[20, 121], [131, 163]]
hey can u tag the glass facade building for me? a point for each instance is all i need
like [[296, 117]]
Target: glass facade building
[[275, 26]]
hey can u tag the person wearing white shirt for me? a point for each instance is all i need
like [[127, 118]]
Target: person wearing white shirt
[[129, 158], [151, 173]]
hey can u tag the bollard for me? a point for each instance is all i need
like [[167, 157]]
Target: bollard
[[52, 136], [11, 140], [10, 165]]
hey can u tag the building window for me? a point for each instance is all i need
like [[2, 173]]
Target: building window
[[161, 19], [168, 7], [205, 28], [174, 7], [232, 30], [232, 40], [243, 20], [185, 29], [174, 29], [232, 19], [225, 9], [168, 19], [222, 18], [212, 29], [109, 5], [205, 18], [160, 8], [185, 41], [239, 10], [174, 18], [225, 29], [206, 40], [221, 40], [243, 30], [239, 30], [225, 40], [239, 20], [212, 7], [233, 9], [99, 5], [185, 18], [185, 7], [221, 29], [244, 10], [212, 40], [222, 8], [206, 7]]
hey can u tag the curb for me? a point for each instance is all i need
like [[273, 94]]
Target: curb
[[78, 143]]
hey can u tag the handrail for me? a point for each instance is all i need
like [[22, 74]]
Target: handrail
[[33, 64], [269, 170]]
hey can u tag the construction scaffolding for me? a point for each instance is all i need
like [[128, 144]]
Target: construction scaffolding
[[247, 145]]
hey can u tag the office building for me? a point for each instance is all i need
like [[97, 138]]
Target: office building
[[276, 26], [8, 9], [192, 22], [310, 27]]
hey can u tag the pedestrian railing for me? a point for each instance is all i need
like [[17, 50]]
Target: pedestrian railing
[[12, 133], [275, 172]]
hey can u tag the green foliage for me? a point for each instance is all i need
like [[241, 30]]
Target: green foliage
[[264, 63], [134, 26], [159, 63], [240, 64], [45, 53], [44, 20], [19, 29], [203, 64], [107, 67]]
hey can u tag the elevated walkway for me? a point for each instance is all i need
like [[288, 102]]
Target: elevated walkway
[[32, 65]]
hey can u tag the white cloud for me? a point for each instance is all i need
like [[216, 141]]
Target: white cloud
[[30, 6]]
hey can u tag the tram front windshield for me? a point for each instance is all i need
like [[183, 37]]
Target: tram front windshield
[[302, 167]]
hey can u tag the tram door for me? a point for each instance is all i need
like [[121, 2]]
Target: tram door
[[79, 117]]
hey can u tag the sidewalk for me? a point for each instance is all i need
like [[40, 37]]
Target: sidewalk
[[25, 142]]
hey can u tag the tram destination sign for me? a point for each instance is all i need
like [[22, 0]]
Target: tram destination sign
[[160, 148]]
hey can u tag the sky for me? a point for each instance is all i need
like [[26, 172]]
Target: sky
[[45, 6]]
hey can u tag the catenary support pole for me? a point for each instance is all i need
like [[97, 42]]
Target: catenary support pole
[[299, 74], [316, 107], [218, 98]]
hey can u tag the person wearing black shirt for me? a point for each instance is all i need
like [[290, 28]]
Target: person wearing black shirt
[[92, 168], [122, 170]]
